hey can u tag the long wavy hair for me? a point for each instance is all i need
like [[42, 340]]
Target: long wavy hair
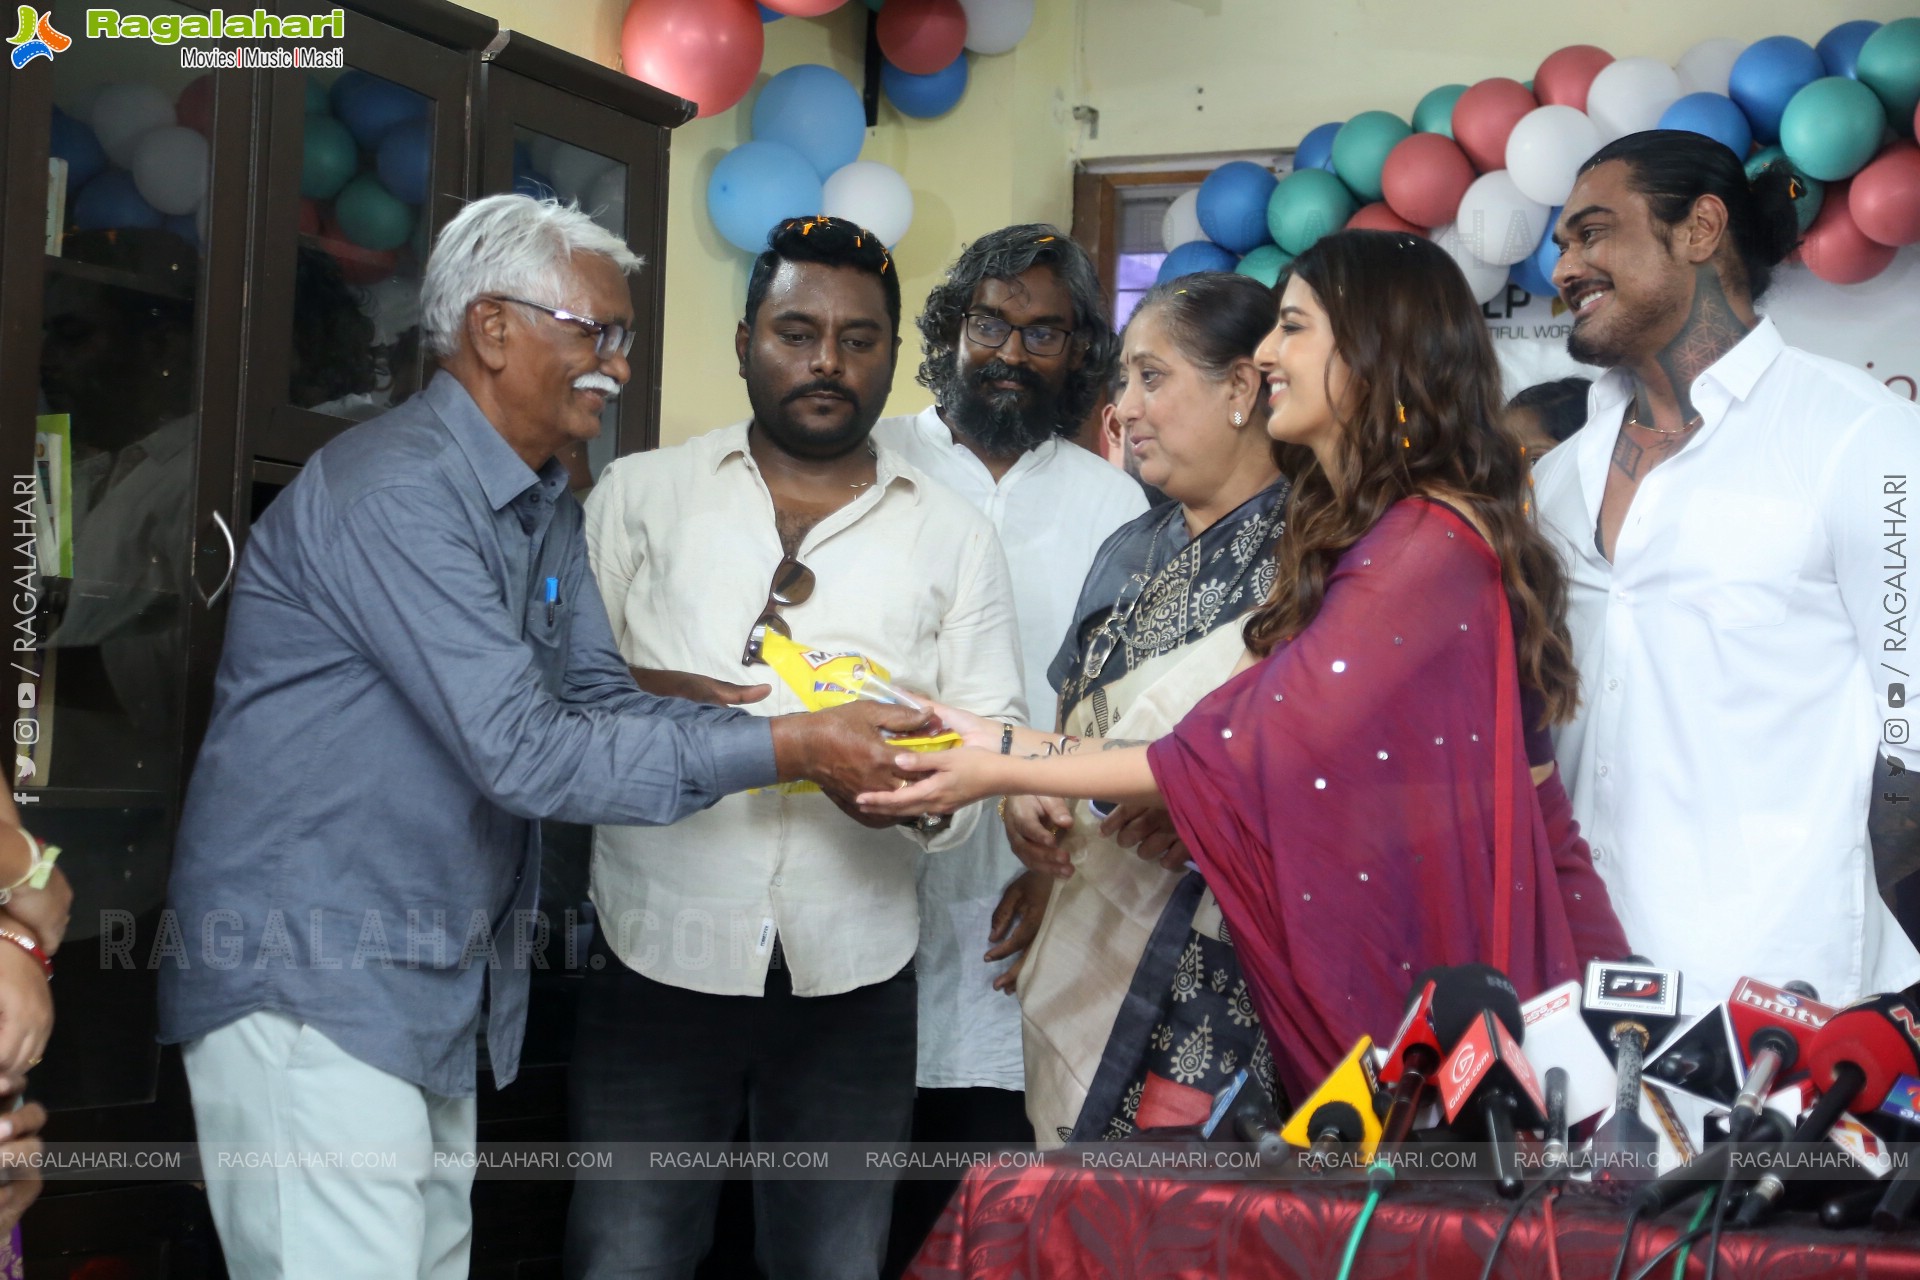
[[1411, 334]]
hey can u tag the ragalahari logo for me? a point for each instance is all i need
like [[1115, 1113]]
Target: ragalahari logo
[[37, 38]]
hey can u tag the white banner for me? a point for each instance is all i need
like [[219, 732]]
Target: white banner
[[1874, 326]]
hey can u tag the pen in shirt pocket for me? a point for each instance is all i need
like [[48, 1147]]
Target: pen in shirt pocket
[[553, 597]]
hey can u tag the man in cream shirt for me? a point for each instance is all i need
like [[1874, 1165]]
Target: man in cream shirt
[[1725, 519], [807, 912]]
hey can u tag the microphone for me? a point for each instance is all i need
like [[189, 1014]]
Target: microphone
[[1557, 1036], [1628, 1005], [1413, 1055], [1855, 1059], [1903, 1192], [1555, 1153], [1712, 1057], [1486, 1065], [1243, 1111], [1775, 1024], [1704, 1171], [1338, 1117]]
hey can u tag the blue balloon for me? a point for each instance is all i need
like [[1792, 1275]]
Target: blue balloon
[[184, 226], [757, 185], [74, 142], [1232, 205], [770, 15], [924, 97], [816, 111], [1195, 255], [405, 160], [1839, 49], [1715, 116], [1316, 149], [110, 201], [1766, 77], [369, 105], [1534, 273]]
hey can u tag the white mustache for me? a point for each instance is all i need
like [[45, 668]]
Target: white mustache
[[597, 382]]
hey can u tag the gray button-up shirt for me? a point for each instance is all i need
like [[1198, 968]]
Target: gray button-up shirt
[[418, 669]]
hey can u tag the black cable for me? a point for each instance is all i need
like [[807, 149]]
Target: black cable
[[1626, 1244], [1653, 1263], [1723, 1199], [1506, 1226]]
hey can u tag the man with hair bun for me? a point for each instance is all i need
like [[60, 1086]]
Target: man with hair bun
[[417, 671], [1733, 520]]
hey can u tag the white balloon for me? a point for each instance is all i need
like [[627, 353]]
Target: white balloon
[[1708, 66], [1181, 223], [995, 26], [1631, 94], [574, 170], [170, 168], [606, 200], [1484, 280], [1497, 224], [872, 195], [123, 112], [1547, 148]]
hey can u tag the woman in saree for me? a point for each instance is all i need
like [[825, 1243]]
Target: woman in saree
[[1131, 972], [1359, 795]]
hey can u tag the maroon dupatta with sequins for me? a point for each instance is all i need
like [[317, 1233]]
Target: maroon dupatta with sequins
[[1361, 806]]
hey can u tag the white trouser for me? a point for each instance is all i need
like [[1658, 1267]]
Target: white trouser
[[320, 1166]]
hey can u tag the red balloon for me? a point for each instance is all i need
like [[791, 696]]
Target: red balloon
[[804, 8], [1424, 177], [1885, 196], [1485, 115], [922, 36], [1377, 217], [309, 217], [1564, 78], [1836, 249], [358, 265], [707, 51], [194, 107]]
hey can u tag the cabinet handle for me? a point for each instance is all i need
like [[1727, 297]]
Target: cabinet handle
[[232, 557]]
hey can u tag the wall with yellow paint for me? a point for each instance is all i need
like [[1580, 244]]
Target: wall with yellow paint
[[1003, 155]]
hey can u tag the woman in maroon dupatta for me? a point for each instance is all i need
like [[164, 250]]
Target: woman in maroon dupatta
[[1358, 795]]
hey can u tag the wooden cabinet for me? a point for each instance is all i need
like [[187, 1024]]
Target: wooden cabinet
[[204, 276]]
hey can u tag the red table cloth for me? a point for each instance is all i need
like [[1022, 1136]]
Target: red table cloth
[[1060, 1224]]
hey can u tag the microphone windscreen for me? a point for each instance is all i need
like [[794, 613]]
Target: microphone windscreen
[[1880, 1035], [1461, 991]]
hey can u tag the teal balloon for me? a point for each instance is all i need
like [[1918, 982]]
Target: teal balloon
[[1889, 64], [1809, 193], [316, 97], [1360, 149], [1265, 264], [875, 4], [1308, 204], [1435, 112], [370, 216], [328, 158], [1832, 127]]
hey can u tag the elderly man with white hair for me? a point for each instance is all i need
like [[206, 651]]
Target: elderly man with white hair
[[418, 669]]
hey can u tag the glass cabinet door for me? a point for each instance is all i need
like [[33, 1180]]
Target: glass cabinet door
[[363, 163], [133, 376]]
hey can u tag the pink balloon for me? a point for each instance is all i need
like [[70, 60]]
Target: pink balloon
[[707, 51], [804, 8], [922, 36], [1424, 177], [1485, 115], [1378, 217], [1836, 249], [1564, 78], [1885, 196], [194, 107]]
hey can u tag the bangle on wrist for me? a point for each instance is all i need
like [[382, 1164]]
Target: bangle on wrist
[[40, 860], [1006, 738], [31, 947]]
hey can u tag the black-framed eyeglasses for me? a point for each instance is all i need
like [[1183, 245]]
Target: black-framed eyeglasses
[[610, 337], [792, 585], [1037, 339]]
